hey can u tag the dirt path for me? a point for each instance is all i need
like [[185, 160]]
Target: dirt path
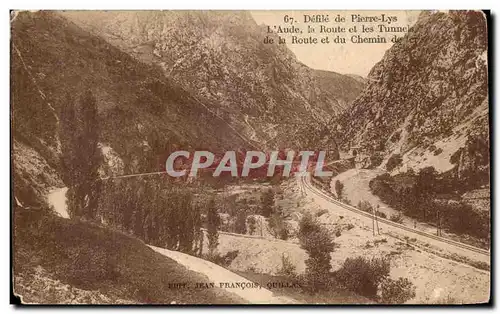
[[218, 275]]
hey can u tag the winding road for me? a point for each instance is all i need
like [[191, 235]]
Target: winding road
[[450, 246], [220, 275]]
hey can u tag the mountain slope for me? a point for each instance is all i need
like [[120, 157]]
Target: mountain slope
[[142, 114], [338, 90], [62, 261], [427, 99], [260, 89]]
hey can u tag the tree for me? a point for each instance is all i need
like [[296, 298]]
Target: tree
[[267, 203], [318, 244], [81, 155], [307, 225], [240, 223], [181, 219], [138, 222], [213, 223], [252, 224], [67, 137], [277, 225], [91, 153], [410, 172], [187, 230], [154, 220], [69, 153], [155, 211], [198, 232], [339, 188], [365, 206], [426, 182], [128, 204], [425, 188]]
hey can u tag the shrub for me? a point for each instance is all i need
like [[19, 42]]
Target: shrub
[[438, 151], [287, 267], [446, 300], [363, 275], [376, 160], [224, 260], [398, 218], [251, 269], [455, 157], [396, 291], [384, 240], [365, 206], [321, 212], [394, 161]]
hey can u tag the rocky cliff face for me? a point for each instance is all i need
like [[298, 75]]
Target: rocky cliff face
[[428, 97], [142, 114], [258, 88]]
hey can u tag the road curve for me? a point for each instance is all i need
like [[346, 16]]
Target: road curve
[[218, 274], [305, 181]]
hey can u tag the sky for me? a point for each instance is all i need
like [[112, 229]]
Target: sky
[[348, 58]]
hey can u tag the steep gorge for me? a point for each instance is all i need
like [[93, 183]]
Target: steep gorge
[[260, 89], [427, 99]]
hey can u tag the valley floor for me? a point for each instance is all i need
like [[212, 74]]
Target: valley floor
[[437, 279]]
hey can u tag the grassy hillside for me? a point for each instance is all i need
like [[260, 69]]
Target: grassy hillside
[[63, 58], [67, 261]]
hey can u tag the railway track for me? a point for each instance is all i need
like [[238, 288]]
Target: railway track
[[305, 181]]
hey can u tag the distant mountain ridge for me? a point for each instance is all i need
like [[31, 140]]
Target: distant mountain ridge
[[258, 88]]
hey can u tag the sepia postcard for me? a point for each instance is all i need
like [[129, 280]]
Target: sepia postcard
[[250, 157]]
